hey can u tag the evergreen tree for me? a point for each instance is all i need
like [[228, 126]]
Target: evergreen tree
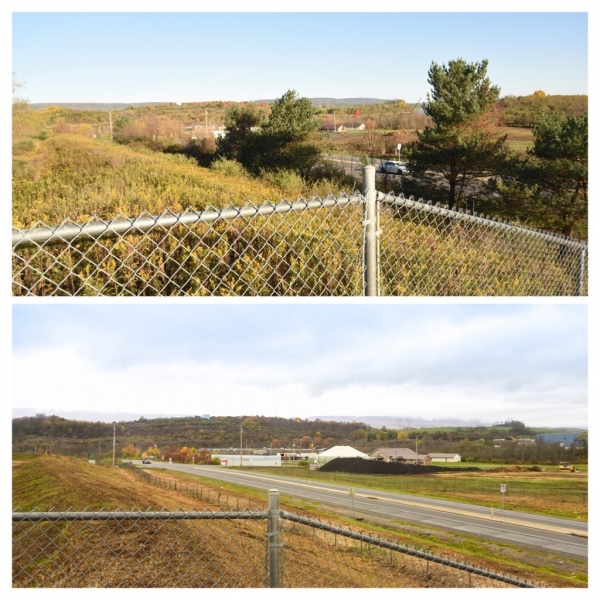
[[465, 142], [549, 187], [282, 142]]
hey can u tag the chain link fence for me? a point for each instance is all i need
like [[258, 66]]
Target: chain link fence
[[363, 244], [219, 549]]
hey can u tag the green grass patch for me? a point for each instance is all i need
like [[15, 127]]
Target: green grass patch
[[548, 493]]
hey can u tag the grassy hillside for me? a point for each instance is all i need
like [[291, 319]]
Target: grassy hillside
[[71, 176]]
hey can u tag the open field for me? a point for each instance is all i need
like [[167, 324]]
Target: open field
[[519, 138], [60, 482], [384, 143], [545, 493]]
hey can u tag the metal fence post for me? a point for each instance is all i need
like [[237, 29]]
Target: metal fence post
[[581, 271], [273, 544], [370, 224]]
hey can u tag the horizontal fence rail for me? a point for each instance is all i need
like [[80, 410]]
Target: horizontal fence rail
[[426, 558], [120, 227], [367, 243], [206, 548]]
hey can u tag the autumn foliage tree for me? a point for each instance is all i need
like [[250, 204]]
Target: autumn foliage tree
[[130, 451]]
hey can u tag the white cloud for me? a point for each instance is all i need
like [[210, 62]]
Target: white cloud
[[462, 366]]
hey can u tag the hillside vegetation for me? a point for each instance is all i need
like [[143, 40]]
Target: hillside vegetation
[[71, 176], [502, 444]]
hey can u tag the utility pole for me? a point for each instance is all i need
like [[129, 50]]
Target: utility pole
[[206, 118], [241, 447], [110, 122], [114, 441]]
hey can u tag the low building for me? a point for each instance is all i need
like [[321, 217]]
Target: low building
[[403, 455], [444, 457], [249, 460]]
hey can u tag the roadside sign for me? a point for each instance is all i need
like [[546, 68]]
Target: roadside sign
[[502, 491], [399, 146]]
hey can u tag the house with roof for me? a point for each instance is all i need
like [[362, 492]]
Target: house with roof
[[403, 455]]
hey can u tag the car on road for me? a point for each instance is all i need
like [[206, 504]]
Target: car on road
[[146, 462], [394, 166]]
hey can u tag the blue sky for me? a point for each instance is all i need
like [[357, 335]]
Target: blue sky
[[198, 56], [474, 361]]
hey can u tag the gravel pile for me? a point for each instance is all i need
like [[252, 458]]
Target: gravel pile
[[378, 467]]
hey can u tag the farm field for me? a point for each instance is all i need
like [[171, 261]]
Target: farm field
[[60, 482], [357, 142], [544, 493]]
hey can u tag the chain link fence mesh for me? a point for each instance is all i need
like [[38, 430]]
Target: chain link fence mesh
[[187, 549], [362, 560], [302, 248], [218, 549], [427, 250]]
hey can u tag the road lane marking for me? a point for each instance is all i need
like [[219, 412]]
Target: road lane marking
[[457, 511]]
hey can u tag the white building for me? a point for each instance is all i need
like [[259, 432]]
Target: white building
[[442, 457], [339, 452], [249, 460]]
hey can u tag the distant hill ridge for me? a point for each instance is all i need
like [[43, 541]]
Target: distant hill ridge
[[122, 105]]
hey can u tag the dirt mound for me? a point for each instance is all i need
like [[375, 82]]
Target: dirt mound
[[514, 469], [378, 467]]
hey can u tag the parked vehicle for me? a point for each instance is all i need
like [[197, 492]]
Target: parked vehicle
[[146, 462], [394, 166]]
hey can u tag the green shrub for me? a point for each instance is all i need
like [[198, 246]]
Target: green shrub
[[22, 146], [288, 181], [229, 167]]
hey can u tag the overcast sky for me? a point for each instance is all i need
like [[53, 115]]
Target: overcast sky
[[199, 56], [487, 362]]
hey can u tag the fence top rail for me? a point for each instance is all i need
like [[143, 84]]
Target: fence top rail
[[123, 226], [469, 217], [377, 541], [136, 515]]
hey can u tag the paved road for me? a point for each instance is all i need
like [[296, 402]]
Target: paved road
[[561, 536]]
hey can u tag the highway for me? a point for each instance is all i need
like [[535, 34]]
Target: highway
[[562, 536]]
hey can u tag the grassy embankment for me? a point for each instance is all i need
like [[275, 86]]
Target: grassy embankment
[[226, 553], [73, 177]]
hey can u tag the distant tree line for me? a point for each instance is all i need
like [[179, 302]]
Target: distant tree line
[[185, 437]]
